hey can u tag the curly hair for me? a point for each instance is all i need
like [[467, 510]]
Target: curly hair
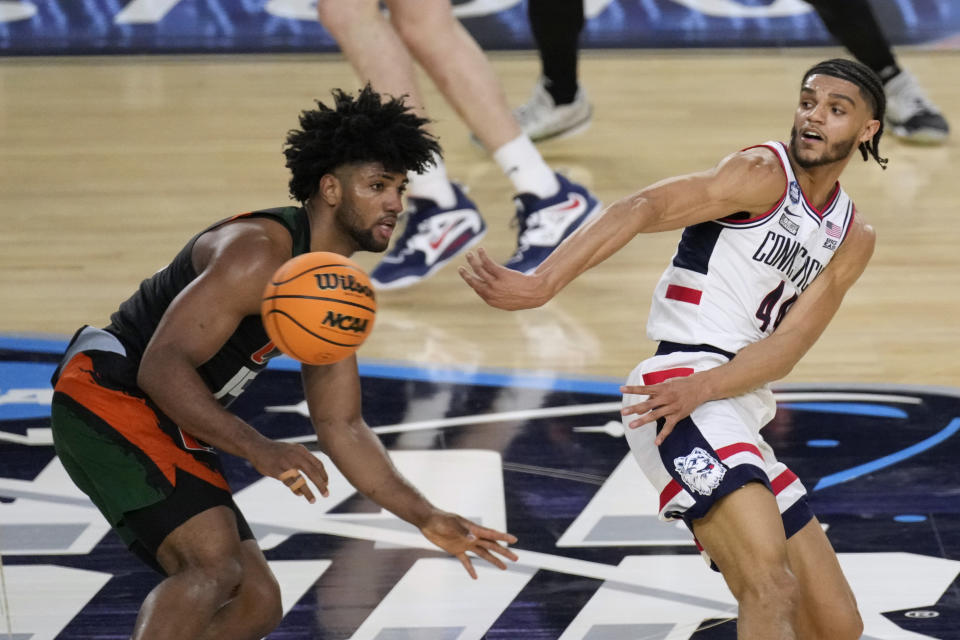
[[361, 129], [871, 88]]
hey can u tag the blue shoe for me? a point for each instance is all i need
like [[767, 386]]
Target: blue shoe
[[545, 222], [432, 237]]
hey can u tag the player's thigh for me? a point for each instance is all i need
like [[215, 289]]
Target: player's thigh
[[826, 599], [743, 535], [422, 16]]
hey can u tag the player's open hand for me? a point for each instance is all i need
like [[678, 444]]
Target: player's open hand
[[457, 535], [501, 287], [673, 400]]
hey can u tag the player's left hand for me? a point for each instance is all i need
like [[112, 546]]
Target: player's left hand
[[501, 287], [673, 400], [457, 535]]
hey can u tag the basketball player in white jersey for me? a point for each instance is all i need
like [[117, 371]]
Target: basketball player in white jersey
[[771, 244]]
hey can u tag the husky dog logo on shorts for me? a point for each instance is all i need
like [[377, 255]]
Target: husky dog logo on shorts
[[700, 471]]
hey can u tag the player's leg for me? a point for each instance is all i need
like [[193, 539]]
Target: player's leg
[[558, 106], [743, 535], [827, 608], [441, 220], [372, 47], [457, 65], [205, 561], [256, 610], [910, 112]]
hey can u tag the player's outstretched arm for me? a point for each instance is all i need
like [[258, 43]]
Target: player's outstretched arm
[[745, 181], [333, 398], [769, 359]]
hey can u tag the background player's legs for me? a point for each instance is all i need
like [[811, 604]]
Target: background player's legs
[[743, 534], [827, 608], [911, 114], [458, 66], [206, 563], [556, 26], [558, 105]]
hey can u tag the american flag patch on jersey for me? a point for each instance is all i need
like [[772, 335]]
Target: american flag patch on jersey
[[834, 230]]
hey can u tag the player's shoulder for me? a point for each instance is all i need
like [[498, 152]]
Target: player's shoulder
[[758, 162], [248, 247]]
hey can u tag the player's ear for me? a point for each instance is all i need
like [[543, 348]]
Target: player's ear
[[870, 129], [330, 189]]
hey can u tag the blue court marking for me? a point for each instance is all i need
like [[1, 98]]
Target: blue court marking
[[375, 369], [33, 343], [909, 518], [892, 459], [822, 444], [848, 408]]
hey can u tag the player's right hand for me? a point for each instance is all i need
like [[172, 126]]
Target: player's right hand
[[289, 463]]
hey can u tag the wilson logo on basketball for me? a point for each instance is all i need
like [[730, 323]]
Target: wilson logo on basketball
[[345, 322], [327, 281]]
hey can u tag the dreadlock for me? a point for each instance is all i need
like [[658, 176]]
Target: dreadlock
[[361, 129], [871, 88]]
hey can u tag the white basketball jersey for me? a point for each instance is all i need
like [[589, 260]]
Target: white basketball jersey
[[732, 280]]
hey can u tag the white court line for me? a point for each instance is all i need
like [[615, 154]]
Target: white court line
[[504, 416], [144, 11]]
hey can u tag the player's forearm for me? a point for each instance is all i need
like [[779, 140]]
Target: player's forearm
[[181, 394], [360, 456], [594, 242], [755, 365]]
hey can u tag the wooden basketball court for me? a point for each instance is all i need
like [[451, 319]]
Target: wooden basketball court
[[109, 164]]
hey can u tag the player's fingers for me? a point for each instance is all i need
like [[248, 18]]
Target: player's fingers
[[465, 561], [489, 557], [482, 265], [498, 548], [317, 474], [665, 431], [493, 534]]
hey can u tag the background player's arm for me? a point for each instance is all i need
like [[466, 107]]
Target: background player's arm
[[334, 400], [750, 181], [768, 359], [198, 322]]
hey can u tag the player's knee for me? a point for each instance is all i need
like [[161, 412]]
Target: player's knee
[[339, 17], [217, 574], [263, 605], [771, 588]]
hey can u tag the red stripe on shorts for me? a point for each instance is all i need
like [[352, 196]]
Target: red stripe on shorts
[[738, 447], [672, 489], [782, 481], [683, 294], [656, 377]]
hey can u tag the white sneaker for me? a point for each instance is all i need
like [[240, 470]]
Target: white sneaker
[[542, 119], [910, 113]]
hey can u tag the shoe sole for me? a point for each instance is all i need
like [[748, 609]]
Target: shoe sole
[[407, 281], [572, 130], [924, 136]]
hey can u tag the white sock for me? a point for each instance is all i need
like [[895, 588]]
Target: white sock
[[524, 165], [433, 184]]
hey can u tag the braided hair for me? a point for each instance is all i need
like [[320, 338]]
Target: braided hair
[[362, 129], [871, 88]]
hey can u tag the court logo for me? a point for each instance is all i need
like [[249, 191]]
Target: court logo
[[700, 471]]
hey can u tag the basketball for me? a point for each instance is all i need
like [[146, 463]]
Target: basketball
[[319, 307]]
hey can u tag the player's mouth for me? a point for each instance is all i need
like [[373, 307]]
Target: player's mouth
[[811, 136], [385, 226]]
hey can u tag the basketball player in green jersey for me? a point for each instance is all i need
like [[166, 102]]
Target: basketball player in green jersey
[[139, 408]]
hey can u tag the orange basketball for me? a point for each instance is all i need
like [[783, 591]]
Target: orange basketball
[[319, 307]]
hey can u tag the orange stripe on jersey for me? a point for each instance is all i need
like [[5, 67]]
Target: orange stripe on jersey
[[132, 418]]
